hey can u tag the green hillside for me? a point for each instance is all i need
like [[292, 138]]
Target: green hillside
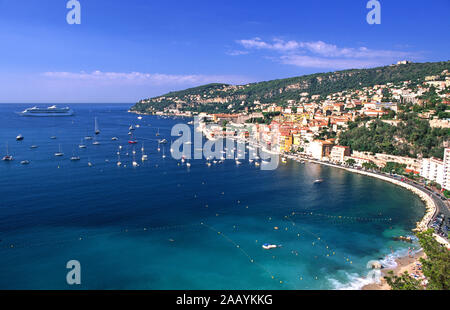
[[225, 98]]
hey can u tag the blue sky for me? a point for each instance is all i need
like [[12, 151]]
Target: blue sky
[[127, 50]]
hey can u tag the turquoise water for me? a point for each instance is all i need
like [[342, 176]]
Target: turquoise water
[[164, 226]]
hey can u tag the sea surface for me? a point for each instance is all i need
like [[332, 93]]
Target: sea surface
[[163, 225]]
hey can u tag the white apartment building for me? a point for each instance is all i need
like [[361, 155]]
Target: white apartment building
[[433, 170], [338, 153], [447, 169]]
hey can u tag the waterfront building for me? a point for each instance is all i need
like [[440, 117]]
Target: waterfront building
[[320, 149], [446, 184], [433, 170], [338, 153]]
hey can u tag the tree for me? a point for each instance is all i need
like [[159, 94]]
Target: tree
[[350, 162], [369, 166], [436, 267], [403, 282]]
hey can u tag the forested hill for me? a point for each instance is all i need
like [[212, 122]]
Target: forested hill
[[234, 98]]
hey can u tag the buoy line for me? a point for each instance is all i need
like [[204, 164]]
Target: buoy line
[[343, 217], [5, 244], [242, 250]]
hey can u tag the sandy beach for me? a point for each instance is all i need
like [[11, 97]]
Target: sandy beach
[[407, 263]]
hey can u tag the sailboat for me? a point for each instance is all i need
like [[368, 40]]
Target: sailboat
[[119, 163], [135, 164], [95, 142], [97, 131], [59, 153], [157, 134], [144, 156], [81, 145], [132, 140], [74, 157], [7, 157]]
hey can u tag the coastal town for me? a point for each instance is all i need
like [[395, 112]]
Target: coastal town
[[312, 128]]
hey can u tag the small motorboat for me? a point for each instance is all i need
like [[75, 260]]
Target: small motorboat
[[318, 181], [132, 142], [95, 143], [19, 138], [34, 147], [24, 162], [88, 138], [114, 138], [267, 246], [75, 158]]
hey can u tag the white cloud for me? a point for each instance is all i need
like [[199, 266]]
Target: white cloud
[[237, 53], [277, 44], [319, 54], [140, 78]]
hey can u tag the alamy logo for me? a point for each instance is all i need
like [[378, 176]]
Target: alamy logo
[[74, 15], [374, 16], [74, 275]]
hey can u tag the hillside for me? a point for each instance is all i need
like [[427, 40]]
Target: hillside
[[215, 98]]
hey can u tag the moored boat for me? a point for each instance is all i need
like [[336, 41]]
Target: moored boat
[[45, 112]]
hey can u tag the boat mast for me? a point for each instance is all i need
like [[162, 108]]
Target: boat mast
[[97, 131]]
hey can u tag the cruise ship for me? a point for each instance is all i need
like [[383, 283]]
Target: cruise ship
[[50, 111]]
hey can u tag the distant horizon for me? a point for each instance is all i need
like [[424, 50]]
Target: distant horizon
[[63, 103], [56, 102]]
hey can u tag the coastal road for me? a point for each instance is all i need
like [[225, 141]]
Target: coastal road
[[441, 206]]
